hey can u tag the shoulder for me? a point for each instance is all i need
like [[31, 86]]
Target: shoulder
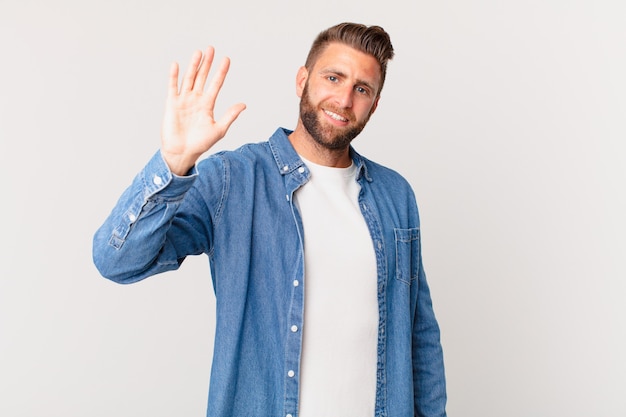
[[248, 154], [391, 191], [383, 176]]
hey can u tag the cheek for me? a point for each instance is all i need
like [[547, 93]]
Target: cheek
[[366, 111]]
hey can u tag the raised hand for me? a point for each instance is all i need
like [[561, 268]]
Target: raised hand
[[189, 125]]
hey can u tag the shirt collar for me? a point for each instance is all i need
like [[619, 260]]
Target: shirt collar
[[287, 159]]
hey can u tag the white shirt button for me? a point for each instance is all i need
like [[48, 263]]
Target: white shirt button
[[301, 170], [294, 328], [291, 374], [132, 217], [296, 282], [289, 415], [157, 180], [286, 168]]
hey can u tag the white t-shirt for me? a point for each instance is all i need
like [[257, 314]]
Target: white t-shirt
[[339, 358]]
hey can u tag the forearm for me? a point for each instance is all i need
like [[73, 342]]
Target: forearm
[[134, 242], [428, 365]]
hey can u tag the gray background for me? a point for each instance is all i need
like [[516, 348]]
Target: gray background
[[506, 116]]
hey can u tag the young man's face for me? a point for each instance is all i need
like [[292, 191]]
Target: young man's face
[[338, 95]]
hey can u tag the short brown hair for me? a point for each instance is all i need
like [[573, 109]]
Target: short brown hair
[[372, 40]]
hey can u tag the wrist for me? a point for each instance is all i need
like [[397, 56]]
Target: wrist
[[179, 164]]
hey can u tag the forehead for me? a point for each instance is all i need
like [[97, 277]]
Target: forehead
[[350, 61]]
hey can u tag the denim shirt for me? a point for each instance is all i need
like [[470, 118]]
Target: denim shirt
[[237, 207]]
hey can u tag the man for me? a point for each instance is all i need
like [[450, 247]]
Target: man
[[323, 308]]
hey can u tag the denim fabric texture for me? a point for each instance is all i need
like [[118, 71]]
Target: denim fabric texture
[[237, 207]]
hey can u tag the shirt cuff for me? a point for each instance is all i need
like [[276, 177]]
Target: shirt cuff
[[158, 179]]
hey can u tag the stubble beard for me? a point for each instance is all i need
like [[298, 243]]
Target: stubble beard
[[329, 137]]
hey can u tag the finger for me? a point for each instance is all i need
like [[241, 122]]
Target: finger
[[192, 70], [217, 82], [231, 115], [203, 72], [173, 81]]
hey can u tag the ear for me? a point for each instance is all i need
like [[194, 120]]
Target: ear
[[301, 77]]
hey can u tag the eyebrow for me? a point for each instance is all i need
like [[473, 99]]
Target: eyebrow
[[343, 75]]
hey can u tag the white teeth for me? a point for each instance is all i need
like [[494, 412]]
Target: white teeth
[[335, 116]]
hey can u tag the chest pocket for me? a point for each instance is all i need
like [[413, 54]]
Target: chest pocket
[[407, 254]]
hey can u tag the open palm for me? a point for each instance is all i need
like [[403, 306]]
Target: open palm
[[189, 124]]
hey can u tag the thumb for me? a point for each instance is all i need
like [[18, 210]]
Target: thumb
[[231, 115]]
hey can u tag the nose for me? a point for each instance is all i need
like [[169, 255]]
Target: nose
[[344, 97]]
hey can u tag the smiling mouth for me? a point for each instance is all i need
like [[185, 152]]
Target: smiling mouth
[[335, 116]]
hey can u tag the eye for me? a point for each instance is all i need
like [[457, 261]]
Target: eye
[[361, 90], [332, 78]]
